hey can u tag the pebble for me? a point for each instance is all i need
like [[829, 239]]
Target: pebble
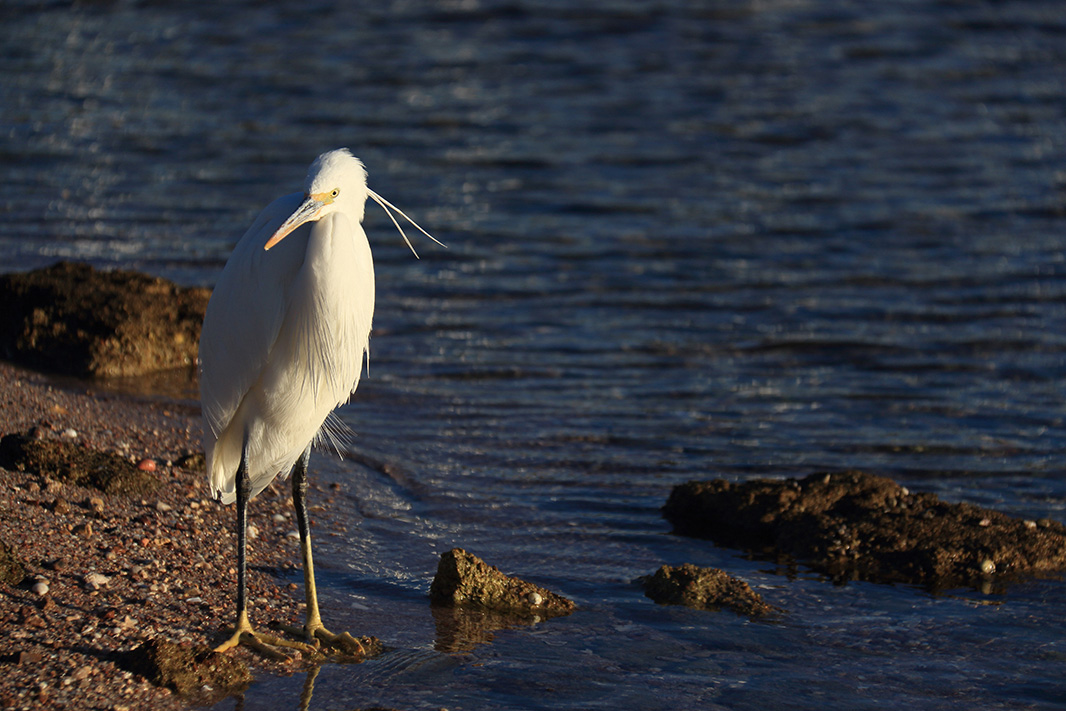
[[163, 506], [70, 433], [40, 588], [146, 465], [988, 566], [96, 580], [534, 598], [293, 534], [279, 518], [253, 532]]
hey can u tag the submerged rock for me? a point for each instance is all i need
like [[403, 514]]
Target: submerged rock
[[859, 526], [197, 673], [465, 579], [74, 464], [704, 588], [70, 318]]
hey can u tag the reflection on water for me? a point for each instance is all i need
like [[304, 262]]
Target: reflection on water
[[460, 629], [685, 240]]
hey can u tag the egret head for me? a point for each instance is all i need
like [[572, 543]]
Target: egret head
[[336, 182]]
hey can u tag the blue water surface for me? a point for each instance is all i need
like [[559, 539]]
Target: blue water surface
[[685, 240]]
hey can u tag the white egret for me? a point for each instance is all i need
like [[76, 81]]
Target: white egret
[[283, 343]]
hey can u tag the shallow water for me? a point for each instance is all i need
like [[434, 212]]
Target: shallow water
[[685, 240]]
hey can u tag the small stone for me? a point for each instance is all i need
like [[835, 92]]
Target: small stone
[[988, 566], [253, 532], [293, 535], [146, 465], [61, 507], [534, 598], [163, 506], [40, 588], [96, 580], [83, 529], [279, 518], [25, 658], [1030, 525], [96, 504], [70, 433], [985, 522]]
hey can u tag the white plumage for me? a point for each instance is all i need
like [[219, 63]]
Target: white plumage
[[287, 328]]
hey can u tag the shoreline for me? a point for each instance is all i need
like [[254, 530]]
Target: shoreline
[[168, 557]]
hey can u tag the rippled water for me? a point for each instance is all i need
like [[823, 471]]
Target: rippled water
[[685, 240]]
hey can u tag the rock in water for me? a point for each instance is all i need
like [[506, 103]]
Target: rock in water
[[70, 318], [465, 579], [704, 588], [854, 525]]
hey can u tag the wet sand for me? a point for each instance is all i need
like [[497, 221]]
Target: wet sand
[[122, 570]]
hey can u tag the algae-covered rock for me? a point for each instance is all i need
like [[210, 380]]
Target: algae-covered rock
[[465, 579], [70, 318], [11, 570], [854, 525], [196, 673], [74, 464], [704, 588]]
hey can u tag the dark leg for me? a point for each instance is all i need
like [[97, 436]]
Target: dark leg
[[303, 523], [244, 488], [314, 629], [242, 631]]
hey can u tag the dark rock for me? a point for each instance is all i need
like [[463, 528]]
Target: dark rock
[[75, 464], [12, 571], [196, 673], [860, 526], [194, 461], [704, 588], [70, 318], [465, 579]]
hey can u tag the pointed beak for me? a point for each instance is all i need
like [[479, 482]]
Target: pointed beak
[[307, 212]]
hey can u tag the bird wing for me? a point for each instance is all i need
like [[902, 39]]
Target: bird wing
[[245, 315]]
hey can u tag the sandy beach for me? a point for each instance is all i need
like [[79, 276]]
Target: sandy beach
[[116, 570]]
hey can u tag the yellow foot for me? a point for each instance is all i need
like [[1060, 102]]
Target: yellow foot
[[344, 642], [264, 644]]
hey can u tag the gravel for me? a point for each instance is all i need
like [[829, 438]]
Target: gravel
[[106, 573]]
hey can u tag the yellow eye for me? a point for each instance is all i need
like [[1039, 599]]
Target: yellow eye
[[335, 193]]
